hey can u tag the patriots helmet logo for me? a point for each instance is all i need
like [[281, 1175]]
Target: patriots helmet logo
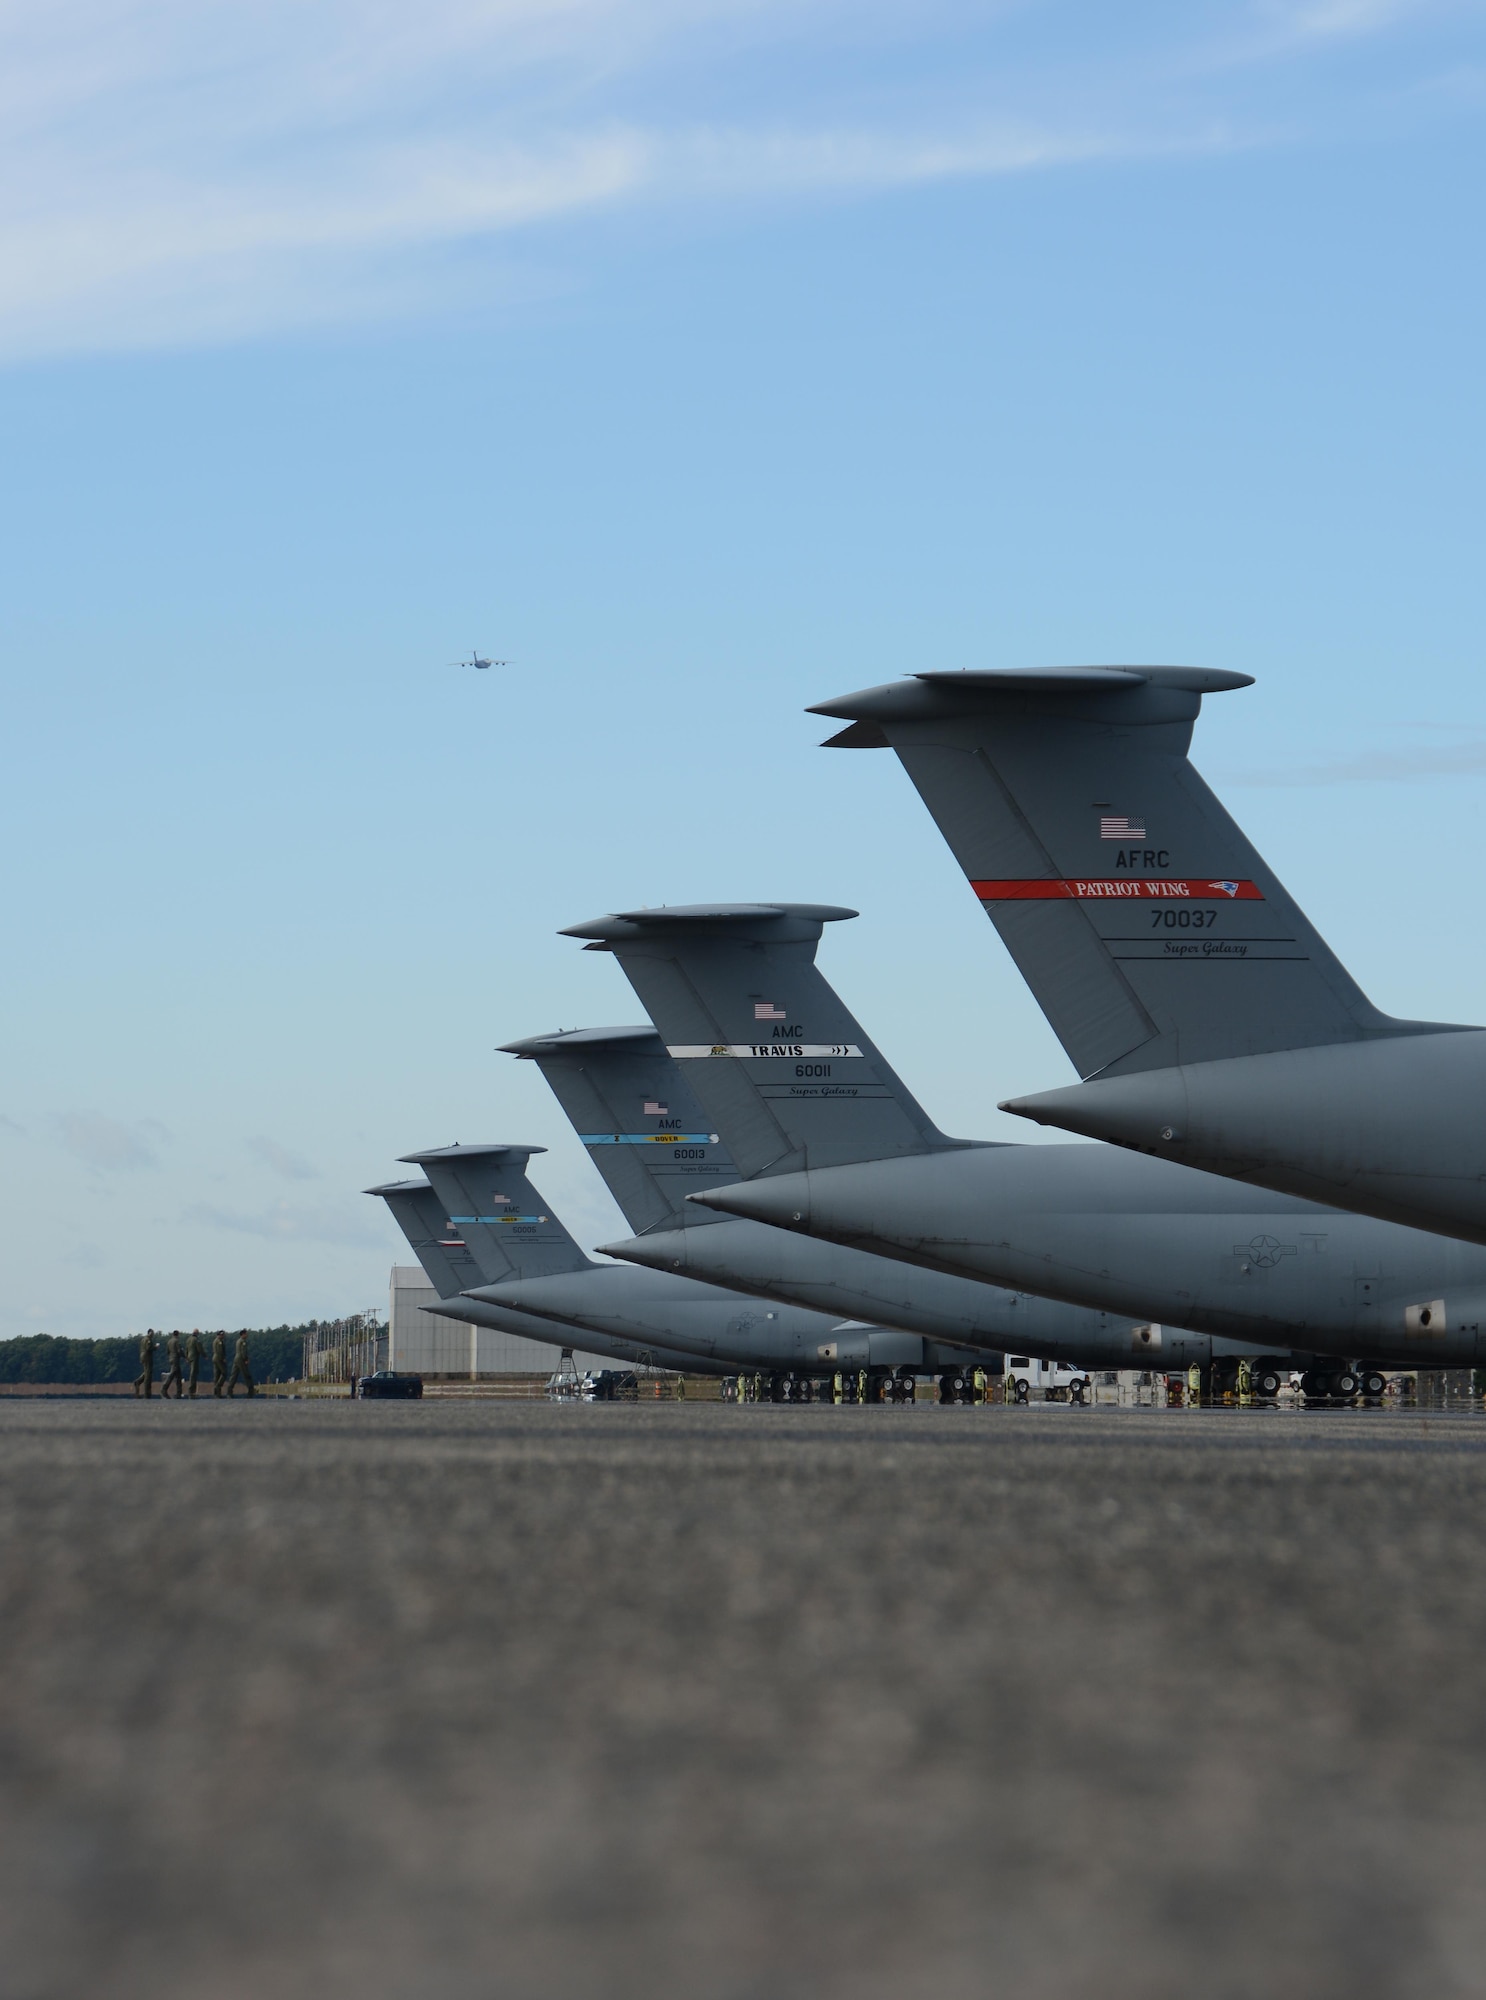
[[1228, 888]]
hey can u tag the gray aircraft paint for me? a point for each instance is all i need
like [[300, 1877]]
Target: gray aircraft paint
[[976, 1310], [491, 1203], [630, 1102], [1139, 1240], [1212, 1024], [705, 972], [604, 1078], [1147, 1239], [542, 1271], [631, 1106], [1389, 1129], [452, 1270], [750, 1333], [747, 993]]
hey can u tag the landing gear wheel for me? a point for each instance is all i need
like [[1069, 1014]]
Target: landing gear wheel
[[1266, 1382], [1374, 1383], [1345, 1383]]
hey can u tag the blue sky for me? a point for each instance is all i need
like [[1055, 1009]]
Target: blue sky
[[705, 361]]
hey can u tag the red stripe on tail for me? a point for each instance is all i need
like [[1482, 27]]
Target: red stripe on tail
[[1129, 888]]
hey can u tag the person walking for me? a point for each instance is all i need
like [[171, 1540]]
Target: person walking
[[144, 1381], [219, 1361], [173, 1364], [193, 1360], [241, 1372]]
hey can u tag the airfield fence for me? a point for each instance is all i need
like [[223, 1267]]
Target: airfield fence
[[335, 1350]]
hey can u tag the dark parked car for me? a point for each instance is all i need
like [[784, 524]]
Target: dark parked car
[[611, 1385], [387, 1382]]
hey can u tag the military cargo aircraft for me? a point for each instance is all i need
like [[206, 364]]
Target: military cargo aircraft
[[610, 1081], [451, 1270], [539, 1270], [1211, 1023], [791, 1078]]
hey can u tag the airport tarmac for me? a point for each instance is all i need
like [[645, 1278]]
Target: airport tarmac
[[447, 1701]]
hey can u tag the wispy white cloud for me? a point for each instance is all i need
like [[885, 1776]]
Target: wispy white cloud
[[1333, 20], [185, 170], [293, 1222], [747, 162], [288, 1165], [110, 1143], [176, 264]]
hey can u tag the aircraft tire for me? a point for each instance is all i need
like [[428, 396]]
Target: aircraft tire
[[1267, 1382], [1345, 1383], [1374, 1382]]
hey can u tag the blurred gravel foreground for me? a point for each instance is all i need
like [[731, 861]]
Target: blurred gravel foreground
[[503, 1700]]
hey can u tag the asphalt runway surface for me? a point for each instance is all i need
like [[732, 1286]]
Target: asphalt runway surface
[[461, 1700]]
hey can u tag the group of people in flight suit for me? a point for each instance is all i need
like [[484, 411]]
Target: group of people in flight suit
[[183, 1380]]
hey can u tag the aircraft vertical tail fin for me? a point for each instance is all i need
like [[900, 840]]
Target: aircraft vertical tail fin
[[783, 1071], [1148, 927], [629, 1102], [491, 1206], [422, 1218]]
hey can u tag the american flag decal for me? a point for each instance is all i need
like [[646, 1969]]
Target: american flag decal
[[655, 1110], [1118, 826], [765, 1010]]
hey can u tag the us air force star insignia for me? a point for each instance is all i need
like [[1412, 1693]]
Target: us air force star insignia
[[1265, 1251]]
